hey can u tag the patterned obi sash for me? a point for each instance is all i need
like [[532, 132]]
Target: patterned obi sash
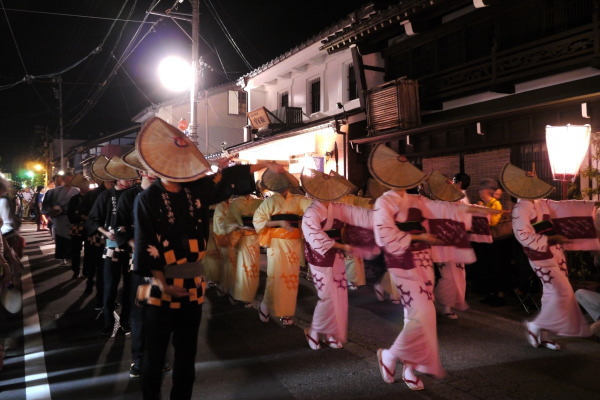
[[247, 220], [335, 234], [327, 259], [293, 219], [543, 227], [405, 260], [281, 233]]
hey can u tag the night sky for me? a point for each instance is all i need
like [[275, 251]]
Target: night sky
[[106, 58]]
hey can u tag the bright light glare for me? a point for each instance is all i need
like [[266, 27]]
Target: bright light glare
[[175, 74]]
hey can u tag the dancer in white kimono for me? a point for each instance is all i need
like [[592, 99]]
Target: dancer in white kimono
[[545, 228], [451, 287], [322, 225], [401, 222], [244, 239], [277, 221]]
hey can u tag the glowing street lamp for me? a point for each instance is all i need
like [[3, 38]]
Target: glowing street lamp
[[175, 74], [567, 147]]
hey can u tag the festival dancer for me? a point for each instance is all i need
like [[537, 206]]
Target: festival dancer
[[170, 228], [244, 239], [322, 224], [545, 228], [401, 222], [277, 221], [228, 253], [451, 287]]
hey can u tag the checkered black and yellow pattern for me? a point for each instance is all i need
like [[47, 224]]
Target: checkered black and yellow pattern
[[196, 287]]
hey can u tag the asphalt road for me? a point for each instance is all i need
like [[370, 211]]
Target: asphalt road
[[56, 351]]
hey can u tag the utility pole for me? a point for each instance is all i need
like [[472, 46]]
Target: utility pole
[[58, 80], [193, 131]]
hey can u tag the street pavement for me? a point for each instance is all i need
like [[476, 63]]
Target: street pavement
[[56, 351]]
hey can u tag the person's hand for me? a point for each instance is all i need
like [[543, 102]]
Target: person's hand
[[286, 225], [347, 249], [175, 291], [428, 238], [109, 235]]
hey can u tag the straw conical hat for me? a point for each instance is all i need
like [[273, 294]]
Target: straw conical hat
[[79, 181], [132, 158], [394, 170], [277, 182], [324, 187], [375, 189], [11, 300], [523, 184], [97, 170], [350, 185], [166, 151], [119, 170], [442, 188]]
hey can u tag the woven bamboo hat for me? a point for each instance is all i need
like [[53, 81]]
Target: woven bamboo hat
[[394, 170], [119, 170], [442, 188], [275, 182], [169, 154], [324, 187], [523, 184], [343, 179], [132, 159], [12, 299], [79, 181], [375, 189], [97, 170]]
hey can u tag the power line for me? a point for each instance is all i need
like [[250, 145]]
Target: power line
[[73, 15]]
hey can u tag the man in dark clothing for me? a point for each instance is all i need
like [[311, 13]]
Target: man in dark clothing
[[116, 258], [171, 228], [77, 223], [124, 234], [95, 241]]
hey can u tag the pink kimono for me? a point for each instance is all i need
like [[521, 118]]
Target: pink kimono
[[574, 219], [321, 227], [395, 217]]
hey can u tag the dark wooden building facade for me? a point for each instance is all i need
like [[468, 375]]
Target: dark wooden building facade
[[491, 75]]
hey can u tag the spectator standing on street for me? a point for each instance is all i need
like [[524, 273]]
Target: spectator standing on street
[[58, 208], [590, 301], [536, 222], [171, 227], [77, 223], [27, 197], [57, 181], [40, 219]]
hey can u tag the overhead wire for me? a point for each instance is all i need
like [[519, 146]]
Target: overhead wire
[[131, 46], [221, 24]]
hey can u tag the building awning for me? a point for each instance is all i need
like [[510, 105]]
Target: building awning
[[317, 139]]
